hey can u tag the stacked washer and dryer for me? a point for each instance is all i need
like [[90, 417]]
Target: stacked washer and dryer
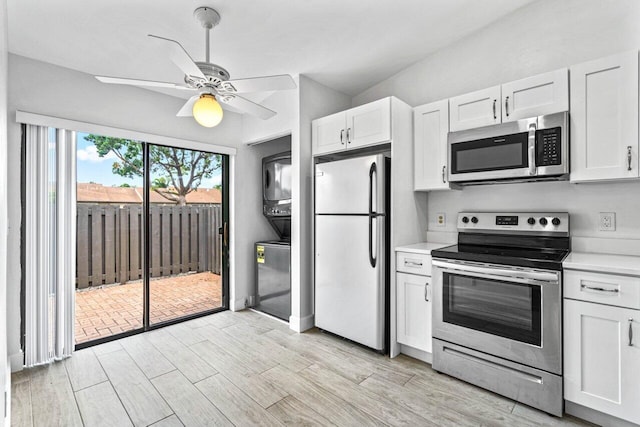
[[273, 257]]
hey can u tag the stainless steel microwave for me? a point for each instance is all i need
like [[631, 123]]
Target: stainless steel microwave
[[529, 149]]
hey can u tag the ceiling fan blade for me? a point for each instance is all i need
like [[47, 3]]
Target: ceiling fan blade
[[187, 108], [247, 106], [259, 84], [137, 82], [181, 58]]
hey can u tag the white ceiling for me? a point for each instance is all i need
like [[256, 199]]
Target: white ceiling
[[348, 45]]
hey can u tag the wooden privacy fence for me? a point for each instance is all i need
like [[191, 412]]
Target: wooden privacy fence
[[110, 241]]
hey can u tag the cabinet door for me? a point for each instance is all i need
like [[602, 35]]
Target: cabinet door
[[414, 311], [600, 367], [369, 124], [475, 109], [535, 96], [328, 134], [430, 126], [604, 119]]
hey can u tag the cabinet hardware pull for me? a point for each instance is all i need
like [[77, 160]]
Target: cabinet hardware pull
[[444, 168], [599, 289], [495, 116], [426, 298], [341, 135], [506, 105], [412, 263], [628, 157], [630, 331], [348, 135]]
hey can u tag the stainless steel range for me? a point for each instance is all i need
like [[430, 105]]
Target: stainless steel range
[[497, 316]]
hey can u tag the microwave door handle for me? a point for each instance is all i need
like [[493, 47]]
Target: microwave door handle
[[532, 149]]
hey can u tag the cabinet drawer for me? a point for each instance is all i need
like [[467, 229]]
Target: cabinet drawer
[[611, 289], [407, 262]]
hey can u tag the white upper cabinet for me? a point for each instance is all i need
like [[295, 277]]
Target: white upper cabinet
[[475, 109], [604, 119], [430, 125], [530, 97], [328, 133], [536, 96], [368, 124]]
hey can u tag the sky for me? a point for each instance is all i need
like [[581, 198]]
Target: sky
[[93, 168]]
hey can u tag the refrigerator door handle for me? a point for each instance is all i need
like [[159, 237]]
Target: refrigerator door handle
[[372, 214]]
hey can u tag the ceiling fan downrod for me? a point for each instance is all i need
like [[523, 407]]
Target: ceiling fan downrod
[[208, 18]]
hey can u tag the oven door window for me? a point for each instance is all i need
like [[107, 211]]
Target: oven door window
[[490, 154], [502, 308]]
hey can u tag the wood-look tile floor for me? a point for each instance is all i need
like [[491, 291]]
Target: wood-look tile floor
[[246, 369]]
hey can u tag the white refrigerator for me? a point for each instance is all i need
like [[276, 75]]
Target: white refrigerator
[[351, 257]]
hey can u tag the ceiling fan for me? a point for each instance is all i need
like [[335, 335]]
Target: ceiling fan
[[211, 81]]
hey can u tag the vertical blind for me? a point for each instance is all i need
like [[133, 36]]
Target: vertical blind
[[50, 226]]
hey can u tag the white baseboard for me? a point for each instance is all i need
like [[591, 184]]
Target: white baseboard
[[238, 304], [594, 416], [16, 361], [301, 324]]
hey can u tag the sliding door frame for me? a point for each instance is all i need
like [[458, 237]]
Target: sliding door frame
[[146, 260]]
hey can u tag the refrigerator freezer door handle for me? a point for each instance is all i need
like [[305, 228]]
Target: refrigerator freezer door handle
[[372, 214], [372, 171]]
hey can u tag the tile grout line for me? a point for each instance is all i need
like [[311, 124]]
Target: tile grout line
[[150, 382], [75, 399], [114, 389]]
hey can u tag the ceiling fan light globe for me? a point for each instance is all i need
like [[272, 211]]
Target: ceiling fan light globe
[[207, 111]]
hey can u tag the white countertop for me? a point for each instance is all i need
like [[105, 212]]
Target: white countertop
[[424, 248], [603, 263]]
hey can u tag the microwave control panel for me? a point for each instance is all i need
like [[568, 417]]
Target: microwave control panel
[[548, 143]]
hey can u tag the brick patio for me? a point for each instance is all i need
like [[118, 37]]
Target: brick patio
[[113, 309]]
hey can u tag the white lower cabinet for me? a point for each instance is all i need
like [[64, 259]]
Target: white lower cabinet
[[414, 311], [602, 358], [413, 300]]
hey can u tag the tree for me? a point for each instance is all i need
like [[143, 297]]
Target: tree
[[177, 172]]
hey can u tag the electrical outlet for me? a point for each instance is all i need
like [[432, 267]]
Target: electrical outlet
[[441, 219], [607, 221]]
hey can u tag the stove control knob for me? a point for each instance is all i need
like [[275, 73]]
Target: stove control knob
[[531, 221], [543, 221], [474, 220], [555, 221], [465, 219]]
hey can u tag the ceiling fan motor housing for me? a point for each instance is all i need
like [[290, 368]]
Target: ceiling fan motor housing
[[213, 73]]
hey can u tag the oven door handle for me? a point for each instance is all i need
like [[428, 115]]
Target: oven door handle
[[503, 274]]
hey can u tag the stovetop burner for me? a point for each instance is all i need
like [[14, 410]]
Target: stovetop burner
[[534, 240]]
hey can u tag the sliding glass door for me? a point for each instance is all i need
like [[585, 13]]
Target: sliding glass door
[[110, 238], [150, 236], [186, 233]]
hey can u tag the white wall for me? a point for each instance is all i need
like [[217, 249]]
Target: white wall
[[542, 36], [316, 101], [5, 380], [55, 91], [248, 200], [285, 104]]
